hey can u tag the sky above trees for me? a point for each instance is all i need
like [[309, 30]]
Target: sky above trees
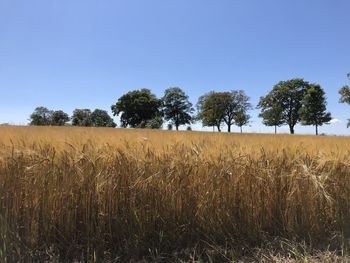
[[86, 54]]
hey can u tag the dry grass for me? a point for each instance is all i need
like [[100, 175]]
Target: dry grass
[[95, 195]]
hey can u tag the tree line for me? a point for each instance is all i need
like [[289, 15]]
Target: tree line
[[288, 103], [42, 116]]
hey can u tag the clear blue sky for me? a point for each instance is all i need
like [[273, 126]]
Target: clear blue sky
[[67, 54]]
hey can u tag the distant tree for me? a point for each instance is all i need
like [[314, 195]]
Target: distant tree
[[155, 123], [235, 103], [189, 128], [170, 126], [41, 116], [82, 117], [271, 111], [345, 96], [176, 107], [100, 118], [137, 107], [288, 96], [210, 107], [59, 118], [241, 119], [313, 110]]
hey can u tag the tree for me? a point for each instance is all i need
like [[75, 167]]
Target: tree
[[100, 118], [176, 107], [41, 116], [137, 107], [345, 96], [241, 119], [59, 118], [286, 96], [235, 103], [82, 117], [313, 110], [271, 111], [155, 123], [210, 107]]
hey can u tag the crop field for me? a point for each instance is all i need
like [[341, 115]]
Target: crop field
[[70, 194]]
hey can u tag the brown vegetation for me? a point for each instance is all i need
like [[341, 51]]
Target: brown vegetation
[[99, 194]]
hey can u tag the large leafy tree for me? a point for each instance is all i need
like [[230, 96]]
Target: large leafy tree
[[41, 116], [100, 118], [313, 110], [210, 107], [137, 107], [345, 96], [271, 111], [215, 108], [176, 107], [288, 96], [235, 103], [82, 117], [59, 118]]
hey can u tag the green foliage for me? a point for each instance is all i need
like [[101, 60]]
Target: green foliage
[[271, 111], [137, 107], [155, 123], [100, 118], [241, 119], [236, 106], [210, 109], [344, 95], [286, 96], [176, 107], [59, 118], [42, 116], [313, 110], [170, 126], [214, 108], [82, 117]]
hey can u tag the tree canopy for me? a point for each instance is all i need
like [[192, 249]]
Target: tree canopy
[[210, 109], [176, 107], [215, 108], [313, 110], [42, 116], [100, 118], [59, 118], [345, 96], [286, 96], [241, 119], [271, 111], [82, 117], [236, 107], [137, 107]]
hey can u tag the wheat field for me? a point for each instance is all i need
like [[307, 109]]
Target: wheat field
[[70, 194]]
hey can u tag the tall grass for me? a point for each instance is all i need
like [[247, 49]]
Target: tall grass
[[92, 194]]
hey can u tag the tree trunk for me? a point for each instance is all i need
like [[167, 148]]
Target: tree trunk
[[218, 126], [229, 128], [291, 129], [177, 127], [241, 129], [316, 129], [275, 129]]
